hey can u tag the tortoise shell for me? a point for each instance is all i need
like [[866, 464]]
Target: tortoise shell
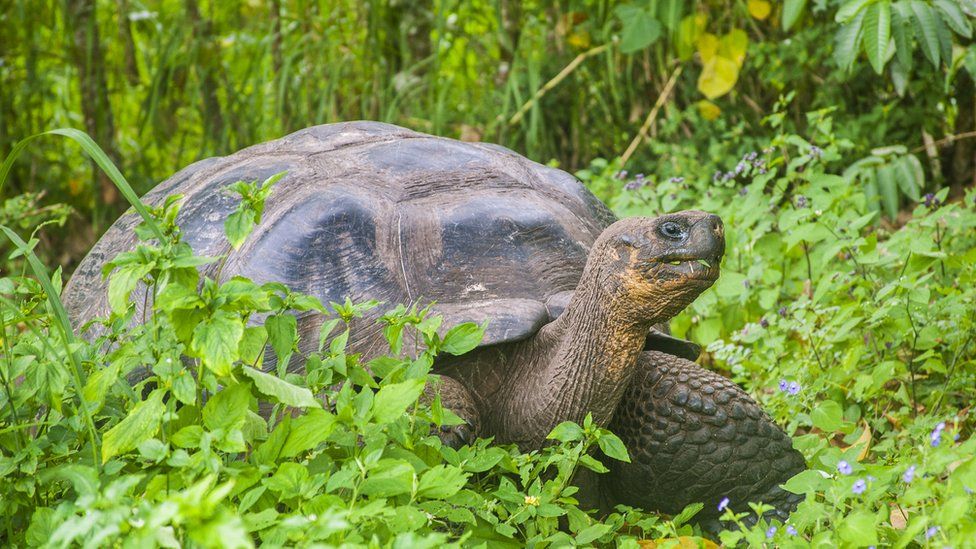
[[368, 210]]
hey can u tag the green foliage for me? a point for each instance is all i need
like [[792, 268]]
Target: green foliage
[[197, 445], [856, 334]]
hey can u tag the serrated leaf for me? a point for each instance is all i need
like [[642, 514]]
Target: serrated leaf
[[122, 282], [282, 334], [238, 226], [140, 424], [441, 481], [306, 432], [215, 341], [877, 34], [390, 477], [927, 29], [392, 401], [279, 389], [226, 409], [792, 10]]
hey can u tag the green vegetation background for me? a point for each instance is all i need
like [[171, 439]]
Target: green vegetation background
[[833, 136]]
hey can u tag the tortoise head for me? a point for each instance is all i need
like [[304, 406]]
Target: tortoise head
[[657, 266]]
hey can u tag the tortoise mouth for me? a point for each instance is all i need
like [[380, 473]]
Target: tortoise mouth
[[690, 269]]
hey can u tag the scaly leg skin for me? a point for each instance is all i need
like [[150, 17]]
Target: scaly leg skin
[[694, 436], [456, 398]]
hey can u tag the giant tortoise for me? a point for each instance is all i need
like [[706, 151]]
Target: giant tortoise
[[374, 211]]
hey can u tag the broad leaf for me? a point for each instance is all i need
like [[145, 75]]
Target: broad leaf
[[877, 34], [140, 424], [392, 401], [227, 409], [463, 338], [792, 10], [441, 482], [215, 341], [279, 389], [640, 30]]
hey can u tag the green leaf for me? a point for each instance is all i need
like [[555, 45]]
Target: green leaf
[[392, 401], [566, 431], [828, 416], [902, 30], [846, 42], [640, 30], [927, 27], [227, 409], [859, 528], [215, 341], [390, 477], [307, 432], [442, 481], [805, 482], [910, 176], [238, 225], [612, 446], [279, 389], [848, 11], [954, 17], [592, 533], [463, 338], [877, 34], [888, 189], [792, 10], [122, 282], [140, 424], [282, 333]]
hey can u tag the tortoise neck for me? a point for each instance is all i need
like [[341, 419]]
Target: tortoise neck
[[578, 364]]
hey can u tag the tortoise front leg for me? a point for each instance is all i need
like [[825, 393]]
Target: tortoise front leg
[[694, 436]]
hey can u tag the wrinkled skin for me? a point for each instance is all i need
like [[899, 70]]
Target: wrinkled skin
[[692, 435]]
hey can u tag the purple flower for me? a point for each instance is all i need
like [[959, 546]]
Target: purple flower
[[815, 151], [632, 185], [931, 200], [782, 312], [931, 532], [621, 175], [743, 191], [717, 176], [771, 532], [801, 201], [844, 467], [783, 385], [794, 388], [909, 475], [936, 436], [751, 156], [763, 322], [790, 530], [859, 487], [677, 179], [724, 504]]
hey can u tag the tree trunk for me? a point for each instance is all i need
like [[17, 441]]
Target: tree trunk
[[963, 165], [96, 109]]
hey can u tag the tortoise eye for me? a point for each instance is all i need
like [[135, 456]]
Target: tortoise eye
[[672, 230]]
